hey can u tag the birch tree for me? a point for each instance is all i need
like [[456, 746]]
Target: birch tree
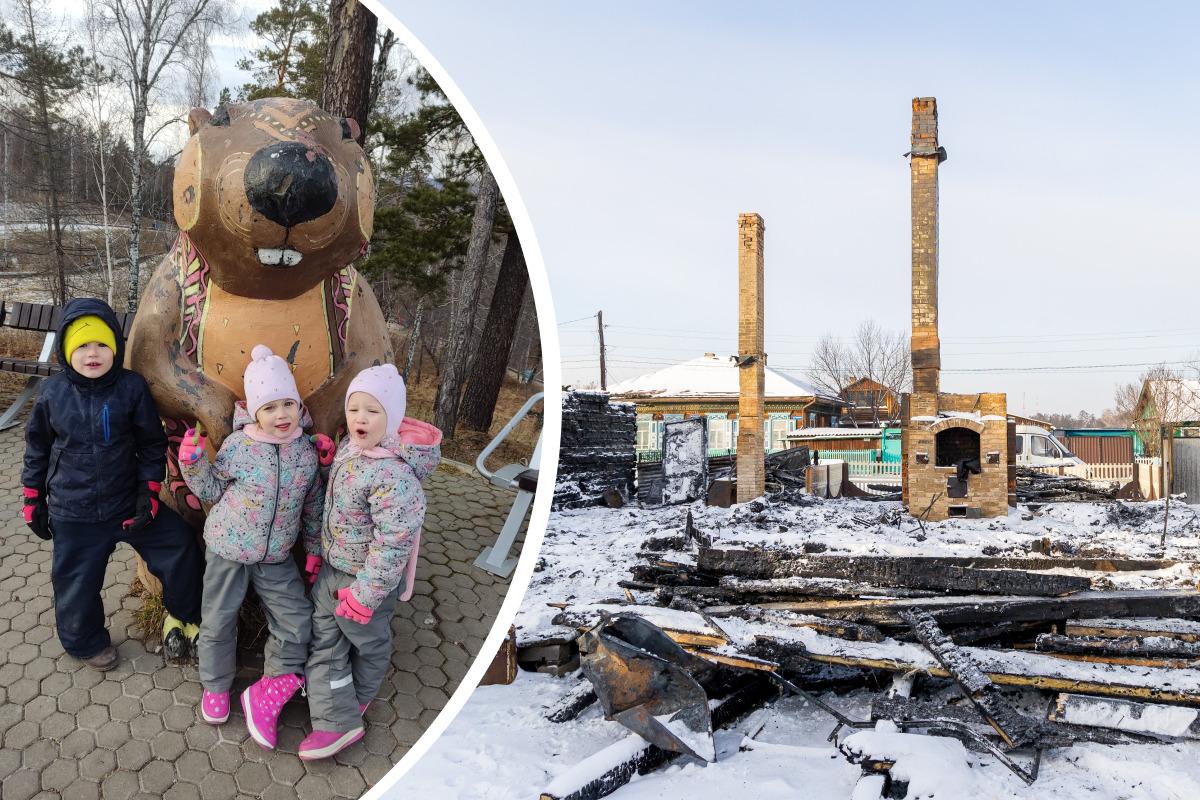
[[97, 81], [149, 37]]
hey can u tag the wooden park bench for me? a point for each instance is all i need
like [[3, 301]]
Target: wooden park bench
[[44, 319]]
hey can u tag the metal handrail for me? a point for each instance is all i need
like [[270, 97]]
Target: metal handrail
[[503, 434]]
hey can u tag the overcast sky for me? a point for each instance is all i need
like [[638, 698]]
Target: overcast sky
[[637, 135]]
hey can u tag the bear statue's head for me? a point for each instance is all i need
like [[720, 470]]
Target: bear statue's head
[[276, 194]]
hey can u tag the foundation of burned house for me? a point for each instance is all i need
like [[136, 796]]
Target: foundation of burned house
[[955, 445]]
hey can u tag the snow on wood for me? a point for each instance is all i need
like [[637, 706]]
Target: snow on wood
[[1014, 728], [1185, 630], [1006, 667], [967, 609], [1127, 715], [931, 766]]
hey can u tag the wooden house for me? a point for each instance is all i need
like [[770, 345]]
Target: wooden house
[[708, 387]]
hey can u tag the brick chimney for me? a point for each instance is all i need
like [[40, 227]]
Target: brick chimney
[[925, 157], [751, 450]]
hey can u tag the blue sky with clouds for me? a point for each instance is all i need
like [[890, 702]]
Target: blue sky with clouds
[[638, 132]]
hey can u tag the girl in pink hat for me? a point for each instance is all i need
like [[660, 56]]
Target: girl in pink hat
[[264, 489], [374, 508]]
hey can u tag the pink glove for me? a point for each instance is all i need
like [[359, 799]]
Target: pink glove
[[191, 449], [312, 565], [326, 448], [350, 608]]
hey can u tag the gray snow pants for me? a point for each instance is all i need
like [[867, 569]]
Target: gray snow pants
[[348, 661], [288, 612]]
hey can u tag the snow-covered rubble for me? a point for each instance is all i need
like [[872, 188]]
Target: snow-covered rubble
[[502, 746]]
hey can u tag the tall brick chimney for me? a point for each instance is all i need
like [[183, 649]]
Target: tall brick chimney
[[926, 155], [751, 450]]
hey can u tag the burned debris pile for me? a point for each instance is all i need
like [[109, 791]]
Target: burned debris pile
[[1008, 655]]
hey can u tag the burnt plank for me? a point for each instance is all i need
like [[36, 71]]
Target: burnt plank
[[1014, 728], [782, 562], [794, 647], [1148, 647], [572, 704], [981, 609], [816, 587], [1129, 716], [1185, 630], [903, 710]]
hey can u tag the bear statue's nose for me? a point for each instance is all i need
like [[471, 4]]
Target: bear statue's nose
[[289, 183]]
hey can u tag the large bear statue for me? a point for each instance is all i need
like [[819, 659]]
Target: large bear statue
[[274, 201]]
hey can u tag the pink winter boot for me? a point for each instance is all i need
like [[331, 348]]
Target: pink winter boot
[[323, 744], [263, 701], [214, 707]]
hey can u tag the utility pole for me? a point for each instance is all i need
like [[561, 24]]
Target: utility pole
[[603, 366]]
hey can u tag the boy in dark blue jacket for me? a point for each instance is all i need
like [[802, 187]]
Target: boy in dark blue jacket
[[95, 452]]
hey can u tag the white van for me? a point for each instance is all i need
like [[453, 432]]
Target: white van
[[1036, 447]]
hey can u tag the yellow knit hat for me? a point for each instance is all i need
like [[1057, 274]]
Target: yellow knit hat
[[88, 328]]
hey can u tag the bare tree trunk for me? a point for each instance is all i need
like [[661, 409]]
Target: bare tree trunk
[[379, 72], [491, 360], [459, 339], [414, 338], [348, 62]]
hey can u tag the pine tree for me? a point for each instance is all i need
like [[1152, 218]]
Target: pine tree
[[291, 62], [419, 243]]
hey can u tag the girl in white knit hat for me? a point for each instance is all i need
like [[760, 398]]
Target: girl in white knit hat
[[264, 488], [374, 509]]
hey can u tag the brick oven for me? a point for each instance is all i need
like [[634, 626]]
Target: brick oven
[[955, 445]]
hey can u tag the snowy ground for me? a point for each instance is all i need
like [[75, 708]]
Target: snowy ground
[[501, 745]]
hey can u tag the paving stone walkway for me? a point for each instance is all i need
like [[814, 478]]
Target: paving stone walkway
[[72, 733]]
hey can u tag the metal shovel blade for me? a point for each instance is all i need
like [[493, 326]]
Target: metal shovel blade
[[641, 680]]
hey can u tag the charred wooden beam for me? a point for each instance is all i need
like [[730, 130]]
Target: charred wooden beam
[[1184, 630], [932, 575], [663, 544], [903, 710], [816, 587], [1126, 715], [781, 562], [1014, 728], [1004, 667], [1146, 648], [999, 631], [572, 704], [603, 773], [980, 609], [670, 575]]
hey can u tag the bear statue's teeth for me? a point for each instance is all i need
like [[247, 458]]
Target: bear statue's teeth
[[274, 256]]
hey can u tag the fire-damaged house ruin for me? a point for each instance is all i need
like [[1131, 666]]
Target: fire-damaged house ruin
[[955, 445], [1060, 625]]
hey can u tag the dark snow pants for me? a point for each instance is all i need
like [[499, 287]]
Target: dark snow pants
[[81, 553]]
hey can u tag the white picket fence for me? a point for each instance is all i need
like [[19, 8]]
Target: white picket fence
[[865, 468], [1099, 472]]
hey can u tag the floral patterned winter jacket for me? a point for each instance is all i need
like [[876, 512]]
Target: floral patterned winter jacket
[[261, 495], [374, 509]]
